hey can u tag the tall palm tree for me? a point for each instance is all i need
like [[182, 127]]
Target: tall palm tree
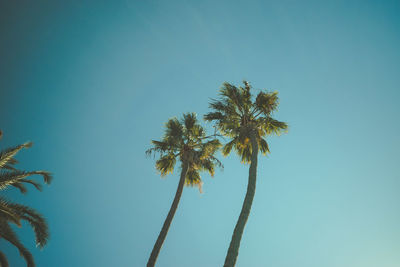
[[184, 140], [15, 213], [246, 122]]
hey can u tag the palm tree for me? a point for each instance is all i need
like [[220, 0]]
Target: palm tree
[[246, 123], [185, 140], [15, 213]]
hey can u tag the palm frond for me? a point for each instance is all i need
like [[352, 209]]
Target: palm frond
[[36, 220], [8, 154], [174, 129], [193, 179], [209, 148], [8, 213], [166, 164], [214, 116], [228, 147], [246, 154], [232, 97], [38, 186], [208, 165], [263, 146], [272, 126], [192, 130], [267, 102], [189, 120], [9, 178], [8, 234], [158, 146]]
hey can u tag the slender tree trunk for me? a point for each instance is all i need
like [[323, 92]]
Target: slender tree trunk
[[168, 220], [233, 250]]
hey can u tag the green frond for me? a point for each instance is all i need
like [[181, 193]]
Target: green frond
[[246, 154], [158, 147], [243, 150], [32, 182], [7, 155], [218, 106], [246, 96], [213, 116], [209, 148], [267, 102], [22, 188], [193, 179], [238, 97], [230, 93], [189, 120], [166, 164], [174, 129], [217, 162], [271, 126], [37, 222], [263, 145], [3, 260], [9, 178], [228, 147], [8, 213], [208, 165]]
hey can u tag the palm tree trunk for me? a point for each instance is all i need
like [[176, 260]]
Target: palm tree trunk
[[168, 220], [233, 250]]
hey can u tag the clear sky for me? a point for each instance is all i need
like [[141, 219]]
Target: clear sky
[[92, 82]]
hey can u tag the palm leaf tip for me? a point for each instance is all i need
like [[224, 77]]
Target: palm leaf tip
[[21, 187], [47, 177], [28, 144]]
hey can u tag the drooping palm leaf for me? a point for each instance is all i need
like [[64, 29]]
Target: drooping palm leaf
[[8, 234], [7, 155]]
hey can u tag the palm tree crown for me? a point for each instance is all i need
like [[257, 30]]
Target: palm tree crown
[[185, 140], [237, 116], [15, 213]]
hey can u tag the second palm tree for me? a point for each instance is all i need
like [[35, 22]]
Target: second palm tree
[[246, 123], [185, 140]]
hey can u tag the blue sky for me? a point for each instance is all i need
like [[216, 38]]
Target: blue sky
[[92, 82]]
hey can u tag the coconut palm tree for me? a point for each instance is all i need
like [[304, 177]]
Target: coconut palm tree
[[246, 122], [184, 140], [15, 213]]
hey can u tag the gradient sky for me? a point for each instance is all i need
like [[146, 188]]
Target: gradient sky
[[92, 82]]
